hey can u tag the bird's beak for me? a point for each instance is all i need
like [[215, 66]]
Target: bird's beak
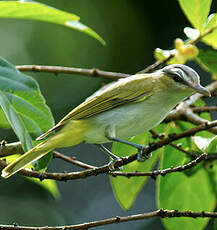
[[202, 90]]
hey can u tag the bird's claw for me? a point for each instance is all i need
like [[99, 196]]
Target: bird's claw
[[112, 163], [140, 157]]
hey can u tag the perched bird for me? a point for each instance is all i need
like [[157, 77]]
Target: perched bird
[[123, 109]]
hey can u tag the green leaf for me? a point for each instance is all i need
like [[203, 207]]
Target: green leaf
[[31, 10], [212, 146], [188, 190], [211, 168], [201, 140], [183, 191], [3, 121], [23, 104], [206, 115], [208, 60], [196, 11], [211, 38], [180, 192], [49, 185], [127, 189], [215, 224], [26, 112]]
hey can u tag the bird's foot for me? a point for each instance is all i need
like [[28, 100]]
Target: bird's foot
[[112, 163], [140, 157]]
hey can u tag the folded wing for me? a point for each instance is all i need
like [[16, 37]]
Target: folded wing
[[133, 89]]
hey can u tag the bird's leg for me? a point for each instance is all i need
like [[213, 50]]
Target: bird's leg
[[110, 135], [112, 155], [105, 150]]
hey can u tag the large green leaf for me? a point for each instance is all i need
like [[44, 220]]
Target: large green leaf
[[211, 38], [31, 10], [208, 59], [25, 110], [196, 11], [23, 104], [183, 191], [3, 121], [127, 189]]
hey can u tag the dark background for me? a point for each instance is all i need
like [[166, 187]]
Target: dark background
[[132, 30]]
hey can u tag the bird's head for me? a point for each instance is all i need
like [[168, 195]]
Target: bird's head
[[185, 78]]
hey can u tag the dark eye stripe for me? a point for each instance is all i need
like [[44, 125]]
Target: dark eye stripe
[[177, 78]]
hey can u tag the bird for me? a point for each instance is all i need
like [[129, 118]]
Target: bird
[[122, 109]]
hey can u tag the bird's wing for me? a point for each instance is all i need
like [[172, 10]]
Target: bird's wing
[[116, 94]]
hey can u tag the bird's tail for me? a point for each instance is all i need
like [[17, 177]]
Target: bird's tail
[[71, 134], [33, 154]]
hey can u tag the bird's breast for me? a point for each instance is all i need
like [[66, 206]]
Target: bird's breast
[[131, 119]]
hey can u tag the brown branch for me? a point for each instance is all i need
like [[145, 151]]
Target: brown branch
[[163, 172], [204, 109], [123, 161], [10, 149], [118, 219], [156, 135], [99, 73], [70, 70], [158, 63], [188, 115], [16, 148], [72, 160]]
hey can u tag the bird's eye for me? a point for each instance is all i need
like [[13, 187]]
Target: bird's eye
[[176, 78]]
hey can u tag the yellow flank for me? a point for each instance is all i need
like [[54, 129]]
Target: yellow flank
[[71, 134]]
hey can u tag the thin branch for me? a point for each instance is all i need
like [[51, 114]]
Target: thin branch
[[204, 109], [70, 70], [16, 148], [10, 149], [188, 115], [156, 135], [118, 219], [99, 73], [163, 172], [72, 160], [158, 63], [123, 161]]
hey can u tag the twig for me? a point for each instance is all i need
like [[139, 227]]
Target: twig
[[204, 109], [155, 134], [118, 219], [10, 149], [70, 70], [161, 62], [16, 148], [72, 160], [163, 172], [188, 115], [99, 73]]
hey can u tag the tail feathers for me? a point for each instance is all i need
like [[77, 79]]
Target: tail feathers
[[32, 155], [48, 132]]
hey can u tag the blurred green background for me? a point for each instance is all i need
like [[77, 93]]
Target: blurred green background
[[132, 30]]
